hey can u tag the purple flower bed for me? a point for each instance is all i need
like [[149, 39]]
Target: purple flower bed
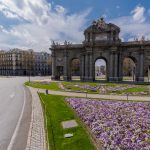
[[88, 87], [118, 125], [83, 87]]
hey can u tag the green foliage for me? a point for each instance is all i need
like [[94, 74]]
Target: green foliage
[[57, 111], [51, 86], [73, 87], [130, 90]]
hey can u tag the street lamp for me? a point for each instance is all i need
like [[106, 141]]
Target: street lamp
[[85, 91], [127, 96], [29, 75]]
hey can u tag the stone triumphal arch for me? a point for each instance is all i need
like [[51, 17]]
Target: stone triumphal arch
[[101, 42]]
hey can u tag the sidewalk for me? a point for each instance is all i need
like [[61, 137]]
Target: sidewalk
[[113, 97], [36, 135]]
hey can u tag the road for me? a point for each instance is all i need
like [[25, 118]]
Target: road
[[14, 107]]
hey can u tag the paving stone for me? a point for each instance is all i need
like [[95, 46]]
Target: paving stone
[[69, 124], [69, 135], [36, 135]]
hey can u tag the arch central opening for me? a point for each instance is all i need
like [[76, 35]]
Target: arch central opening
[[129, 69], [100, 69]]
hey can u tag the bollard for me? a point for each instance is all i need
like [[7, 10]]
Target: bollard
[[46, 91], [86, 94], [127, 96]]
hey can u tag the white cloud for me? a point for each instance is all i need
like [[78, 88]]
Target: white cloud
[[133, 26], [60, 9], [7, 12], [42, 23], [117, 6], [138, 14]]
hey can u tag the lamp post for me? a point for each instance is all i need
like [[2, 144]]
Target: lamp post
[[29, 78], [127, 96], [85, 91], [29, 75]]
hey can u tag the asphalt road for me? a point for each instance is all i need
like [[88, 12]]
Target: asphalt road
[[13, 107]]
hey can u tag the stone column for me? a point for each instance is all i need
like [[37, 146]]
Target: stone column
[[116, 67], [66, 78], [120, 69], [86, 67], [53, 67], [65, 68], [141, 68], [82, 67], [111, 67], [91, 67]]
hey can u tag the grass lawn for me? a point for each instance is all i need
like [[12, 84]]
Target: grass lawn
[[132, 90], [80, 83], [56, 111], [51, 86], [91, 83], [71, 85], [75, 87]]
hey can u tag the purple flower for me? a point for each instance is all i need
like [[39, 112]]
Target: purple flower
[[124, 125]]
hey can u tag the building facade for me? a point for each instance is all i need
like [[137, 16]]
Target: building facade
[[101, 42], [18, 62], [42, 63]]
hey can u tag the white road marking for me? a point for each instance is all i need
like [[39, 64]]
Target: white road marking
[[10, 146], [12, 96]]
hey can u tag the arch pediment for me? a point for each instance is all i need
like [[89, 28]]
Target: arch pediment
[[102, 31]]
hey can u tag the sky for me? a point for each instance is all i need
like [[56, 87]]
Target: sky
[[100, 62], [33, 24]]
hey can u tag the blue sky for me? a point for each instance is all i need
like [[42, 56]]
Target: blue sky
[[35, 23], [112, 8]]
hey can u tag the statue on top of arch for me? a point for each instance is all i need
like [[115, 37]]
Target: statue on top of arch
[[100, 24]]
